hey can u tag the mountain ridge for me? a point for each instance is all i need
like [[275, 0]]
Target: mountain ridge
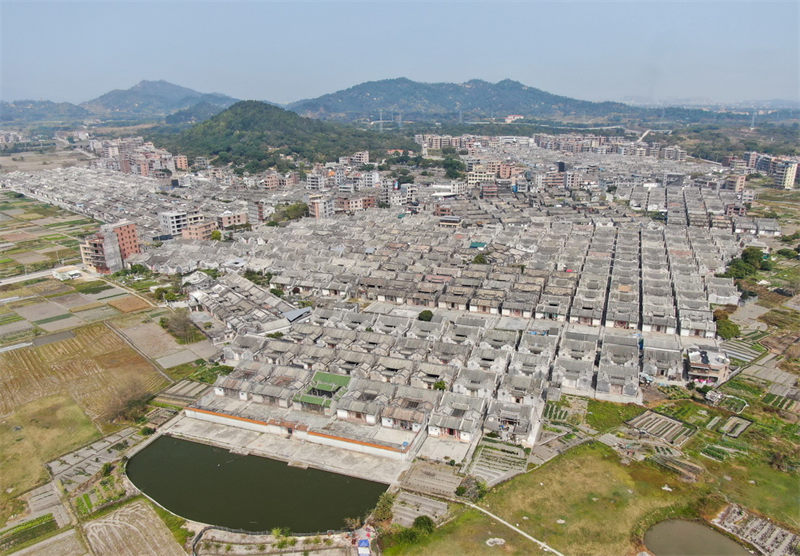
[[473, 98], [153, 98], [144, 100]]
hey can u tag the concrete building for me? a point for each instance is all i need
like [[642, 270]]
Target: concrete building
[[201, 230], [107, 250], [708, 365], [784, 173], [229, 219]]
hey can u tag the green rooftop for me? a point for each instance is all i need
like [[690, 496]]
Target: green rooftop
[[314, 400], [330, 378]]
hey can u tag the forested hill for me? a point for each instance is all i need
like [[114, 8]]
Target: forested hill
[[481, 100], [255, 136], [475, 98]]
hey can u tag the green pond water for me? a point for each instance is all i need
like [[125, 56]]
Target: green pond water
[[676, 537], [213, 486]]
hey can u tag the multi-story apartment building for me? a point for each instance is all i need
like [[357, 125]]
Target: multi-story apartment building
[[320, 206], [354, 204], [181, 162], [360, 158], [735, 182], [480, 174], [174, 221], [315, 182], [229, 219], [199, 230], [784, 173], [106, 251], [258, 211]]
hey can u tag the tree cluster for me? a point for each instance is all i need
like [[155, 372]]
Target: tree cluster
[[751, 261]]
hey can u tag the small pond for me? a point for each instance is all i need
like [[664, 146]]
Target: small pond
[[677, 537], [211, 485]]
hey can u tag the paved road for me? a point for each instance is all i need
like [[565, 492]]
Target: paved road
[[23, 277]]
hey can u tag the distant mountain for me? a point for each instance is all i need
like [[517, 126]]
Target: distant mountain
[[475, 99], [255, 135], [199, 112], [152, 98], [40, 110]]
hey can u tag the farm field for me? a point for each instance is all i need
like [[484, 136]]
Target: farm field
[[147, 335], [67, 542], [128, 304], [96, 367], [35, 160], [43, 305], [37, 236], [33, 434], [132, 530]]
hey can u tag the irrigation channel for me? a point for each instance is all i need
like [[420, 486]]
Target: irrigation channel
[[211, 485]]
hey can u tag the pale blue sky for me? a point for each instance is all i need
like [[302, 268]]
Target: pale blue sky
[[727, 51]]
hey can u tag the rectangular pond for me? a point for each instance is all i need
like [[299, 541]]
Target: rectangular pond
[[210, 485]]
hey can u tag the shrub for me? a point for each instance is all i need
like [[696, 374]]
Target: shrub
[[383, 509], [425, 315], [424, 523], [727, 329]]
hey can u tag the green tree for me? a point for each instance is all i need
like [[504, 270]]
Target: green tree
[[753, 256], [425, 315], [740, 269], [440, 385], [216, 235], [480, 258]]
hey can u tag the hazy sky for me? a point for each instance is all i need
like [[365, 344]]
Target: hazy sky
[[75, 51]]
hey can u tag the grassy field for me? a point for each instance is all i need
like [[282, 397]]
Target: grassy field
[[33, 434], [604, 504], [96, 367], [466, 535], [603, 416]]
